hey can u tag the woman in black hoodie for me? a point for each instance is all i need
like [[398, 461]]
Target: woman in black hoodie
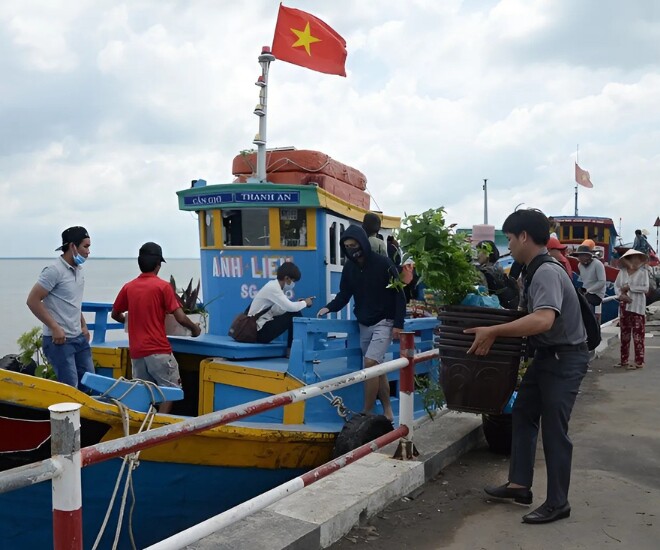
[[379, 310]]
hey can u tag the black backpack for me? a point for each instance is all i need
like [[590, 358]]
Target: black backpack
[[503, 286], [588, 318]]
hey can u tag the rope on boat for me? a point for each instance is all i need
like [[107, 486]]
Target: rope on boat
[[132, 384], [130, 460], [336, 401]]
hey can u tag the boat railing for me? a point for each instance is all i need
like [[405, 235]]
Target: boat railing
[[101, 323], [64, 467]]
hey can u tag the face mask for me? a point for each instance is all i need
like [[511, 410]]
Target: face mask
[[288, 286], [354, 253], [78, 259]]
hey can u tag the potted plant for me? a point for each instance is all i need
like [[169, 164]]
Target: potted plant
[[192, 306], [480, 384], [30, 344], [442, 258]]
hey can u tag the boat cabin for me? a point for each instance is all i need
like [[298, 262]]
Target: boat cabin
[[574, 230]]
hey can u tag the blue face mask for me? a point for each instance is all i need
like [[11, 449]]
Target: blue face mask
[[78, 259], [288, 286]]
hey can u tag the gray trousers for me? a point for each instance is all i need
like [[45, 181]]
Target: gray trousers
[[546, 396]]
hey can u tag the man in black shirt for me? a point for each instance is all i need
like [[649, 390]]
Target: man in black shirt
[[379, 310]]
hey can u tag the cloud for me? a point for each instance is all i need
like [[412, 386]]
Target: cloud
[[108, 109]]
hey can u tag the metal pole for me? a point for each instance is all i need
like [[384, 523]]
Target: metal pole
[[211, 525], [262, 111], [406, 448], [67, 486], [136, 442], [576, 197], [485, 201]]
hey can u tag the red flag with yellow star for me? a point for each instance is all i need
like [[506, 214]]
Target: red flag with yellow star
[[305, 40]]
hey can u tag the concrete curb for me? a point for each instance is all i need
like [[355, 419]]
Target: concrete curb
[[324, 512]]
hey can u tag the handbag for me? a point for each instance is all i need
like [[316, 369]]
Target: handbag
[[244, 327]]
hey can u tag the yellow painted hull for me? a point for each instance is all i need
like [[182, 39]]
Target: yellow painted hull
[[230, 445]]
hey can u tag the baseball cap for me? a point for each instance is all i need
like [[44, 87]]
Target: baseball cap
[[73, 235], [554, 244], [152, 249]]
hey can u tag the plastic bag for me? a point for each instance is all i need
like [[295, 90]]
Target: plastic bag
[[481, 300]]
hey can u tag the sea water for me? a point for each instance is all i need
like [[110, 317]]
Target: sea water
[[103, 280]]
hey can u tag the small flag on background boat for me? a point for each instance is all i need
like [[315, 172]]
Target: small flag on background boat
[[582, 176], [305, 40]]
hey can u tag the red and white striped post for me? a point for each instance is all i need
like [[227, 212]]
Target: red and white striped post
[[406, 448], [67, 486]]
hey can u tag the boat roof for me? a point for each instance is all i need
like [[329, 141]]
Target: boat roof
[[587, 219], [202, 196]]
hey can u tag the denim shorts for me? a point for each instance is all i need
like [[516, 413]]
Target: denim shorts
[[70, 360], [159, 368], [376, 340]]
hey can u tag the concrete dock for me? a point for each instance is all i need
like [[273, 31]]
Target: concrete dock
[[437, 500]]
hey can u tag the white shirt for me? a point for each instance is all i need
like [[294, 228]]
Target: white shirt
[[271, 294], [638, 281], [593, 277]]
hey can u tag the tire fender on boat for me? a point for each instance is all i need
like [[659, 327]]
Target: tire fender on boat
[[360, 429]]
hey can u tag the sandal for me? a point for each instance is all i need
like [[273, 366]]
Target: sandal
[[631, 367], [621, 366], [640, 366]]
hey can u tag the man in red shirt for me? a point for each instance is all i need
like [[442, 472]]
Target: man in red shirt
[[148, 299], [558, 251]]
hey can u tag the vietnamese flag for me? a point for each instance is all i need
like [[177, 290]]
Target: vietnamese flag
[[305, 40], [582, 177]]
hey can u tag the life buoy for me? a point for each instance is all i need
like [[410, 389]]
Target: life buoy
[[360, 429]]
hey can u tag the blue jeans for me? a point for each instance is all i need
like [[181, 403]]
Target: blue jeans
[[546, 397], [70, 360]]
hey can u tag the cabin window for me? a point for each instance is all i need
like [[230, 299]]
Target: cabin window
[[248, 227], [332, 239], [293, 227], [596, 233], [342, 228], [208, 233], [578, 231]]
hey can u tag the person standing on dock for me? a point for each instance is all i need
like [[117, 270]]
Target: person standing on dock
[[592, 274], [557, 250], [147, 299], [56, 300], [630, 287], [552, 380], [380, 307]]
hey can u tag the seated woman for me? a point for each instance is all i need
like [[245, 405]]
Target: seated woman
[[282, 310]]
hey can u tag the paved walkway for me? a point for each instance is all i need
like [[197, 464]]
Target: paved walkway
[[615, 491]]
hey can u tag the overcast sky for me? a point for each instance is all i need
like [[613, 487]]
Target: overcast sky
[[108, 108]]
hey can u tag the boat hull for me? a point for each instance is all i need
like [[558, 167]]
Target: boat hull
[[169, 498]]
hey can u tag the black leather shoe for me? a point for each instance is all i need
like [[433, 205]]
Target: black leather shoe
[[504, 492], [547, 514]]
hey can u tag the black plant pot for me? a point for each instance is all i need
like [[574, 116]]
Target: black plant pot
[[480, 384]]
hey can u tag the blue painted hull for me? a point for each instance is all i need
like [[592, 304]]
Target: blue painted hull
[[169, 499]]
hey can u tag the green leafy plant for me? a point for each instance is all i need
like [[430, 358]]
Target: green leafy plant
[[430, 392], [30, 344], [188, 297], [442, 258]]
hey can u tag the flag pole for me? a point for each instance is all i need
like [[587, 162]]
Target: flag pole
[[577, 159], [485, 201], [261, 110]]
